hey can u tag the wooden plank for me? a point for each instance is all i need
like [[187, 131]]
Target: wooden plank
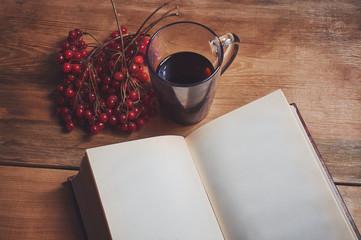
[[352, 198], [309, 49], [37, 203]]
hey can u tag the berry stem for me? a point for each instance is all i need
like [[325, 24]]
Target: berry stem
[[123, 59], [154, 12]]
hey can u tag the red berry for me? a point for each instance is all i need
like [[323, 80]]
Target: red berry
[[66, 82], [112, 120], [98, 80], [115, 34], [106, 80], [79, 112], [142, 47], [145, 40], [65, 45], [129, 103], [68, 54], [73, 101], [91, 97], [114, 97], [115, 84], [100, 60], [140, 122], [118, 76], [78, 83], [94, 129], [71, 77], [60, 58], [65, 111], [93, 120], [101, 126], [83, 52], [76, 68], [70, 126], [78, 32], [60, 88], [133, 95], [131, 115], [87, 114], [69, 93], [116, 46], [134, 68], [72, 34], [99, 69], [144, 109], [82, 44], [73, 48], [66, 67], [111, 101], [137, 110], [77, 56], [132, 127], [105, 88], [103, 117], [67, 118], [109, 111], [124, 127], [139, 60], [144, 76], [123, 29], [122, 118]]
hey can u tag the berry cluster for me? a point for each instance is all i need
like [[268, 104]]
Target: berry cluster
[[105, 83]]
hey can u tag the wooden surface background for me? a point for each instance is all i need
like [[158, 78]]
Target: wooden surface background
[[309, 49]]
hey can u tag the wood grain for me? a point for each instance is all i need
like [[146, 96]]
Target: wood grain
[[309, 49], [37, 203], [351, 196]]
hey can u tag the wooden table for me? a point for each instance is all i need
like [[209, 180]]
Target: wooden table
[[311, 50]]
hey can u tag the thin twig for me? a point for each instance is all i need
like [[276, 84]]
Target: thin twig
[[121, 35], [154, 12]]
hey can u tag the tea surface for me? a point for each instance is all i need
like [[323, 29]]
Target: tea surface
[[185, 68]]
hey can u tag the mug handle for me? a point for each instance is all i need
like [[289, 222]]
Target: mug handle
[[230, 43]]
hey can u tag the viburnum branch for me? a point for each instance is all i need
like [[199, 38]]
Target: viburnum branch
[[86, 33], [121, 37], [107, 80], [154, 12]]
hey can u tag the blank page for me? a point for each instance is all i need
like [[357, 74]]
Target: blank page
[[263, 178], [150, 189]]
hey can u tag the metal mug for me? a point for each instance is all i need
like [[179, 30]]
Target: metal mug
[[189, 103]]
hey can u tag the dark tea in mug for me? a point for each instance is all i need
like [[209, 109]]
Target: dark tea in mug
[[185, 60], [185, 68]]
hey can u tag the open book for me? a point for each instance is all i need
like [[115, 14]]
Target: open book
[[251, 174]]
